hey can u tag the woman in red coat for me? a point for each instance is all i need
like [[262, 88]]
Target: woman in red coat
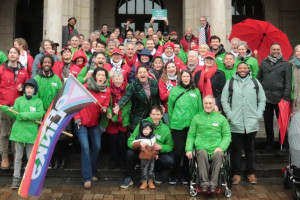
[[168, 80], [87, 125], [25, 59]]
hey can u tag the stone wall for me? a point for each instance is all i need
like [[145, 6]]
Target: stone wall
[[7, 20]]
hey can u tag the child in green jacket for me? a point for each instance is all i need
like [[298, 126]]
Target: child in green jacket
[[24, 130]]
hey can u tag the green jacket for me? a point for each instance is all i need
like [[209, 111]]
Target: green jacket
[[182, 55], [3, 57], [229, 73], [81, 75], [162, 134], [141, 106], [186, 107], [247, 107], [208, 131], [25, 130], [48, 88], [253, 65]]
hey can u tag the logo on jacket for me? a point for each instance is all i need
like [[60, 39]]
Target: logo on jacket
[[193, 95], [215, 124], [32, 109]]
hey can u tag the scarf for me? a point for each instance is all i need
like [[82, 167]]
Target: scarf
[[274, 60], [168, 58], [244, 79], [153, 52], [157, 74], [202, 38], [132, 61], [204, 83], [15, 70], [66, 70], [94, 86], [117, 94], [23, 59], [297, 62], [192, 68], [169, 84], [189, 38], [235, 54], [116, 66]]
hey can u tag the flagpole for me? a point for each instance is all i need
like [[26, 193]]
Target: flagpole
[[38, 122]]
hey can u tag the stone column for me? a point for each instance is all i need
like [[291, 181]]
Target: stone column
[[53, 26], [218, 19]]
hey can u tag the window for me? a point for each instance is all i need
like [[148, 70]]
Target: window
[[243, 9], [138, 7]]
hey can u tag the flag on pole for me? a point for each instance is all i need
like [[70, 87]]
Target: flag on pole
[[71, 99]]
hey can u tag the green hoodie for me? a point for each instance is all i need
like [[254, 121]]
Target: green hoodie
[[162, 134], [3, 57], [253, 65], [208, 131], [229, 73], [24, 129], [186, 107]]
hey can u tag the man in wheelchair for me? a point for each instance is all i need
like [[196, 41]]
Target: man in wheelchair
[[210, 134]]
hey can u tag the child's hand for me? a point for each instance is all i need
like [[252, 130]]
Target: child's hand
[[143, 145]]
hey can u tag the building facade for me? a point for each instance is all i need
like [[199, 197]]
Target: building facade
[[38, 19]]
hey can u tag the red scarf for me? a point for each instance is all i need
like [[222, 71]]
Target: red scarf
[[132, 61], [204, 84], [117, 93]]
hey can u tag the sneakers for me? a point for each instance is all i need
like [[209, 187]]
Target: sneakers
[[151, 185], [173, 181], [87, 184], [126, 183], [144, 185], [95, 179], [157, 179], [4, 163], [236, 179], [252, 179], [15, 183], [184, 181]]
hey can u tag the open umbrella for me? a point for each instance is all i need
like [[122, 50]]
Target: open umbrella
[[283, 118], [259, 36]]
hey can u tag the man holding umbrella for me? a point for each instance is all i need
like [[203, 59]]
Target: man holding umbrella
[[275, 75]]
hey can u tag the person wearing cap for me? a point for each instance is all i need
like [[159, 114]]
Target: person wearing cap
[[210, 80], [68, 31], [165, 37], [187, 39], [173, 35], [168, 55], [244, 108], [139, 46], [64, 67], [117, 64], [193, 63], [218, 49], [144, 58], [204, 31], [179, 52]]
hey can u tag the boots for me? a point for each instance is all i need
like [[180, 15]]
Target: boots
[[144, 185], [151, 185], [4, 163]]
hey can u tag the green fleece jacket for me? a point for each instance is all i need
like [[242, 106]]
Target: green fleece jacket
[[253, 65], [162, 134], [3, 57], [185, 108], [25, 130], [208, 131]]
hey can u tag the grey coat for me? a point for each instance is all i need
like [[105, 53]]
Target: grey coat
[[247, 107], [66, 36]]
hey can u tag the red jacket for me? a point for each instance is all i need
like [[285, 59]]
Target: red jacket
[[58, 67], [198, 68], [79, 54], [90, 115], [186, 45], [164, 93], [124, 68], [179, 63], [8, 86], [30, 61]]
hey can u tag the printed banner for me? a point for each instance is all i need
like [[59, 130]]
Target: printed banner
[[71, 99], [159, 14]]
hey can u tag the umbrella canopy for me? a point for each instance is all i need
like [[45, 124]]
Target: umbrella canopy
[[259, 36], [294, 139], [283, 118]]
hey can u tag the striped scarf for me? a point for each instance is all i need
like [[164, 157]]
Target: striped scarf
[[202, 38], [274, 60]]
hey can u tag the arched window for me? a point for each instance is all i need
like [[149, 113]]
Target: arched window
[[139, 12], [243, 9]]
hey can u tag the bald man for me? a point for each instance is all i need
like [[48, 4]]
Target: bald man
[[187, 39]]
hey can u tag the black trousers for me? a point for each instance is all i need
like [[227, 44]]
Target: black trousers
[[245, 141], [268, 120], [117, 146], [164, 161], [179, 138]]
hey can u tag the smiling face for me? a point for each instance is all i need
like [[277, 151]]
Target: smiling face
[[13, 55], [100, 77], [158, 64], [169, 51], [75, 42], [118, 81], [86, 46], [116, 57], [111, 46], [156, 116], [130, 50], [209, 62], [203, 50], [150, 45], [47, 46], [46, 65], [186, 78], [171, 69], [79, 61], [100, 60], [242, 51], [142, 75], [67, 55], [145, 58], [229, 61], [275, 50], [243, 70], [297, 53], [215, 44], [209, 104], [192, 58]]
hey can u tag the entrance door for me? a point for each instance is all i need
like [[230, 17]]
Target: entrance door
[[139, 12], [29, 23]]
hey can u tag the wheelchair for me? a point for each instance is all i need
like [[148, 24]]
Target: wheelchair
[[224, 180]]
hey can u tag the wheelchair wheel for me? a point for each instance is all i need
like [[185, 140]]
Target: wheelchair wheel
[[296, 194], [286, 182], [193, 192], [227, 193]]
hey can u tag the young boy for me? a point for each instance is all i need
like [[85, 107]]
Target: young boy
[[145, 142], [24, 130]]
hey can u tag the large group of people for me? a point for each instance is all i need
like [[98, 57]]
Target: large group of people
[[159, 99]]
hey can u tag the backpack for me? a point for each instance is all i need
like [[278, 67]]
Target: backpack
[[231, 90]]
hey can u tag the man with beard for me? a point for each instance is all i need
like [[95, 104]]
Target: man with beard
[[68, 31], [218, 49]]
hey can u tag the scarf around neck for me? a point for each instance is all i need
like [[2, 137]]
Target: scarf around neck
[[23, 59], [296, 62], [204, 84], [192, 68], [94, 86], [132, 61], [274, 60], [168, 58], [116, 66]]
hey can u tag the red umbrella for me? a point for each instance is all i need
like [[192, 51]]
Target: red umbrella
[[259, 36], [283, 118]]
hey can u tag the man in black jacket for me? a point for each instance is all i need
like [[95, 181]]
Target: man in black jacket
[[275, 75]]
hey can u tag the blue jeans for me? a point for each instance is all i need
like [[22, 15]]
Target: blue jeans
[[90, 141]]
